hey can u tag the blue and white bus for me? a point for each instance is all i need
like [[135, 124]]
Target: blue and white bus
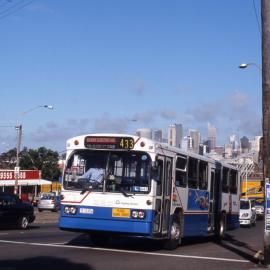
[[118, 184]]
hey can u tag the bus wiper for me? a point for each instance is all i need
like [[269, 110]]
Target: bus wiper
[[125, 194]]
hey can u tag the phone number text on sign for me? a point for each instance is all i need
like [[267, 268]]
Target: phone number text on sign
[[9, 175]]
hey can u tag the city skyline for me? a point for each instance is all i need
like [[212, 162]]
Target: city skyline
[[104, 65]]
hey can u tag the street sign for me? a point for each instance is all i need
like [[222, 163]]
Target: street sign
[[17, 170], [267, 207]]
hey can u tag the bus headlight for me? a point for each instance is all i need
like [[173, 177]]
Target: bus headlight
[[138, 214], [70, 210]]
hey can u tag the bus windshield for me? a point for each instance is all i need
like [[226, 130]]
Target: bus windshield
[[125, 172]]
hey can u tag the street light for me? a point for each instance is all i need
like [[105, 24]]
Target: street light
[[245, 65], [18, 128], [50, 107]]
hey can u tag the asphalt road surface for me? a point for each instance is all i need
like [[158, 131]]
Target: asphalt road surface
[[44, 246]]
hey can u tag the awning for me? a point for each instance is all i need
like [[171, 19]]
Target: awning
[[28, 182]]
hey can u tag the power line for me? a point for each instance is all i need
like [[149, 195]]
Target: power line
[[4, 2], [15, 8], [257, 18], [9, 8]]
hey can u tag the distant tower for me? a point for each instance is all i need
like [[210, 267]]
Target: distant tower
[[144, 132], [175, 133], [245, 144], [158, 135], [186, 143], [233, 141], [207, 144], [196, 140], [212, 135]]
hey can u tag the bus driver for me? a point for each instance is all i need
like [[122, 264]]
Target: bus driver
[[94, 174]]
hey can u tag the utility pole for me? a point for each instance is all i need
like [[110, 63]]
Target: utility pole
[[265, 20], [17, 168]]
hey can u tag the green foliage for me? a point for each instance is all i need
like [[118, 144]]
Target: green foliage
[[42, 159], [8, 159]]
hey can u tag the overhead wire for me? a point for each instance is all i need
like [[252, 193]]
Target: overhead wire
[[257, 17], [15, 8], [11, 7], [5, 2]]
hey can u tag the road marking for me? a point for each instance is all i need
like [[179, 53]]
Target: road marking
[[126, 251], [63, 243]]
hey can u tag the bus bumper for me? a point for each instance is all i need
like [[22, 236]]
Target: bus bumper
[[116, 226]]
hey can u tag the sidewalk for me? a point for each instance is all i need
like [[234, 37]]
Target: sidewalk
[[46, 216]]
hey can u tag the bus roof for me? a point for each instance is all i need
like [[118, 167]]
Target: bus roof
[[142, 144]]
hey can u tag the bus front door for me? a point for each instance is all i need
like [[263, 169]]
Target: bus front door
[[163, 196]]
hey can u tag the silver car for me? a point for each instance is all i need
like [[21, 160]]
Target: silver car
[[259, 207], [49, 202]]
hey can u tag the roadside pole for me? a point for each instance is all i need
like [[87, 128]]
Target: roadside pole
[[267, 225], [17, 168], [265, 20]]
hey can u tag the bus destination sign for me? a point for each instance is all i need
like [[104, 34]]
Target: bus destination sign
[[96, 142]]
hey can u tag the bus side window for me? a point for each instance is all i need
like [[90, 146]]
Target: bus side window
[[203, 175], [181, 171], [225, 176], [192, 172], [233, 181]]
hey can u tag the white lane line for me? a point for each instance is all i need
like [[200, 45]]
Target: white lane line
[[127, 251], [62, 243]]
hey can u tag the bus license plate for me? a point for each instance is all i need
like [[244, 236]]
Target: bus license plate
[[121, 212]]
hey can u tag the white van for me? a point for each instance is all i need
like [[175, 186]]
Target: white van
[[247, 215]]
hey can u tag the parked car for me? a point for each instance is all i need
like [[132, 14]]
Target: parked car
[[49, 202], [259, 208], [35, 200], [14, 212], [247, 215]]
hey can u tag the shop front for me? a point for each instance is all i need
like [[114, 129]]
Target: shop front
[[29, 183]]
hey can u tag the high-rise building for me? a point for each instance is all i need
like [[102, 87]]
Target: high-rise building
[[212, 135], [196, 140], [233, 142], [245, 144], [228, 151], [144, 132], [186, 143], [157, 135], [175, 133], [207, 144], [255, 144]]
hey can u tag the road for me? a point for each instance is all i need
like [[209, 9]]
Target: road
[[44, 246]]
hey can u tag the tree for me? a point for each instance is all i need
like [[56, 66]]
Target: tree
[[8, 159], [43, 159]]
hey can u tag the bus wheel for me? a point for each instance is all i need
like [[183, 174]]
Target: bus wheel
[[99, 239], [175, 237], [222, 227]]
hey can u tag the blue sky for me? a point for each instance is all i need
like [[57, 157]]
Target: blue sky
[[101, 63]]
